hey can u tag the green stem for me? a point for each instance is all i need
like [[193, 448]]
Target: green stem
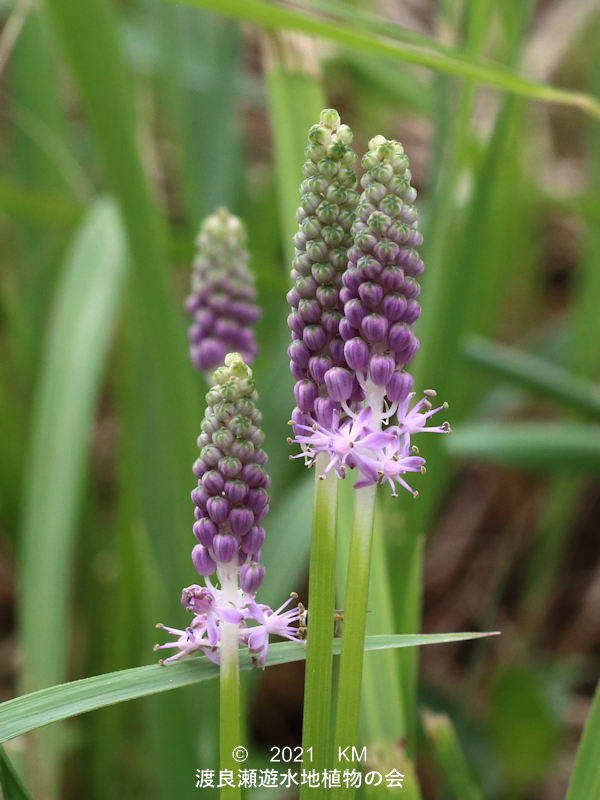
[[355, 617], [230, 723], [316, 733]]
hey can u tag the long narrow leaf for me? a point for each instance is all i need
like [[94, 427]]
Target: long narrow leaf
[[273, 17], [68, 700], [532, 372], [546, 446], [87, 302], [10, 783], [86, 305], [585, 780]]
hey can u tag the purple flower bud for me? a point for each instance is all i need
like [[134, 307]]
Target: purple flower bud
[[236, 492], [299, 353], [318, 366], [298, 373], [409, 352], [371, 294], [392, 279], [347, 330], [324, 408], [394, 307], [374, 328], [381, 369], [339, 383], [331, 321], [199, 468], [203, 560], [241, 520], [336, 349], [213, 482], [218, 509], [295, 323], [260, 515], [199, 497], [206, 355], [253, 540], [224, 547], [356, 353], [399, 386], [310, 310], [204, 530], [305, 393], [251, 578], [257, 500], [354, 312], [412, 313], [253, 475], [229, 466], [314, 337], [400, 336]]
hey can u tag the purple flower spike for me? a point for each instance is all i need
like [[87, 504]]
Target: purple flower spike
[[368, 386], [222, 300], [231, 500]]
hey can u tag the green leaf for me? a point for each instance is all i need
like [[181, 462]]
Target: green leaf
[[545, 446], [295, 99], [585, 780], [532, 372], [274, 17], [86, 305], [10, 783], [40, 708]]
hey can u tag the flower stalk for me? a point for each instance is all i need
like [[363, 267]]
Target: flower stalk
[[316, 729]]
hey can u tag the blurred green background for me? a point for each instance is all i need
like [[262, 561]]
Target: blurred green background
[[122, 125]]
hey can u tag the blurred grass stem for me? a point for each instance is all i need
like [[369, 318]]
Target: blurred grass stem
[[355, 620], [321, 598]]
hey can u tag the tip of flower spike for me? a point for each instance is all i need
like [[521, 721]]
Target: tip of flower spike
[[430, 393], [445, 405], [330, 118]]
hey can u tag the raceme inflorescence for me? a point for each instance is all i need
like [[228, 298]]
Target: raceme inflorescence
[[353, 392], [231, 501], [222, 301]]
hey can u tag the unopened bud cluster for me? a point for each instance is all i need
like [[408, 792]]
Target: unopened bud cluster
[[231, 498], [222, 302], [325, 218]]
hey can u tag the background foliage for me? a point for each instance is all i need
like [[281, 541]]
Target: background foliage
[[122, 125]]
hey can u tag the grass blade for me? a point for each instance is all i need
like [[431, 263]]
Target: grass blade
[[295, 100], [87, 302], [86, 305], [546, 446], [10, 783], [532, 372], [585, 780], [274, 17], [40, 708]]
